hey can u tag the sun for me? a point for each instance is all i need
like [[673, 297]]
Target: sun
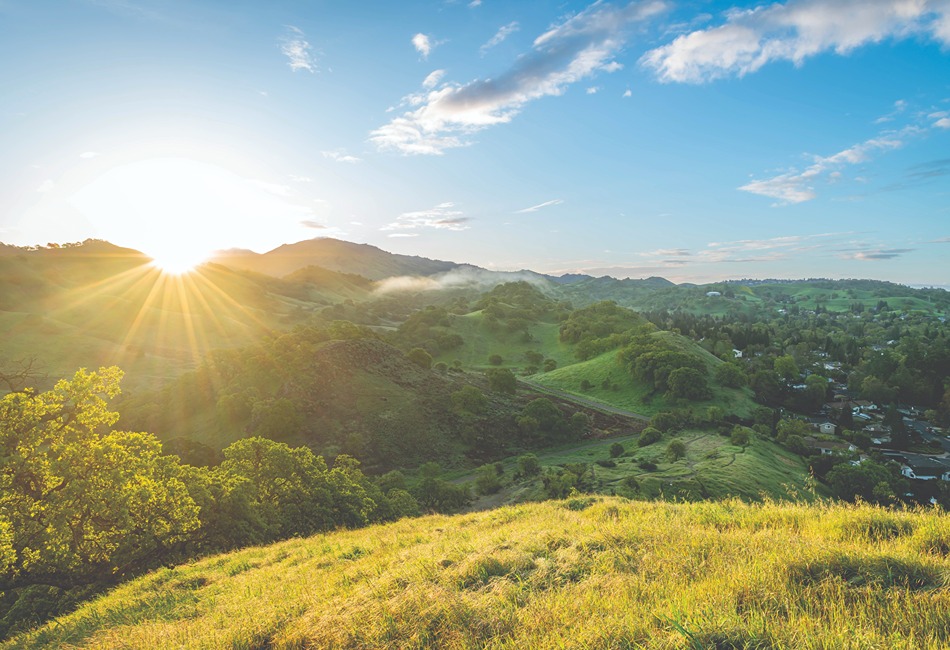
[[177, 262]]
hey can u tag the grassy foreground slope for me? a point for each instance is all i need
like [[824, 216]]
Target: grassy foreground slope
[[581, 573]]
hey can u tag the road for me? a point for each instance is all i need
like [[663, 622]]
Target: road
[[571, 397]]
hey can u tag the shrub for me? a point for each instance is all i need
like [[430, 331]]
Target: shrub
[[649, 436], [616, 450]]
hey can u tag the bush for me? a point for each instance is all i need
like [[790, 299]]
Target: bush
[[605, 463], [616, 450], [676, 450], [649, 436], [664, 421], [528, 465], [495, 360], [647, 465]]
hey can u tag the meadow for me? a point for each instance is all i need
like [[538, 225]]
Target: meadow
[[586, 572]]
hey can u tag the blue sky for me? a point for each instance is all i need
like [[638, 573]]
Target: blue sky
[[694, 140]]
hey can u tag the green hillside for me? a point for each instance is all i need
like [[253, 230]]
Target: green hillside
[[711, 468], [612, 384], [581, 573]]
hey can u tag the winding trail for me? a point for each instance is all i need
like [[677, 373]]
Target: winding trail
[[571, 397]]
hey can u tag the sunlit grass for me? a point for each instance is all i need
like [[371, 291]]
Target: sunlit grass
[[581, 573]]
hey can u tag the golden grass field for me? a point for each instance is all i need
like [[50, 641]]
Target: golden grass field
[[587, 572]]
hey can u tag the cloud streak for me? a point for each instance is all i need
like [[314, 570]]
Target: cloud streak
[[794, 31], [503, 32], [339, 155], [540, 206], [798, 187], [575, 49], [297, 50], [442, 217]]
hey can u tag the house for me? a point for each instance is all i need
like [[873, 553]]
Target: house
[[830, 447], [736, 353], [925, 468], [826, 428]]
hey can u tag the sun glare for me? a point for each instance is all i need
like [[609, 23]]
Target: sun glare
[[176, 262]]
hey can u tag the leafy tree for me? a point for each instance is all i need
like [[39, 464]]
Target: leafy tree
[[741, 436], [731, 375], [469, 400], [676, 450], [688, 383], [549, 365], [82, 504], [486, 480], [616, 450], [786, 368], [664, 421], [420, 357], [528, 465], [649, 436], [502, 380]]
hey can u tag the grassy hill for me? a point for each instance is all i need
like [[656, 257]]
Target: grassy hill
[[581, 573], [612, 384], [96, 304], [342, 256], [712, 468]]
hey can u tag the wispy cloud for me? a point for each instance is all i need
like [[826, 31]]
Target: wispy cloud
[[46, 186], [627, 93], [300, 179], [310, 223], [794, 31], [876, 254], [432, 79], [503, 32], [402, 234], [423, 44], [535, 208], [86, 155], [574, 50], [797, 187], [899, 107], [442, 217], [339, 155], [593, 90], [295, 47]]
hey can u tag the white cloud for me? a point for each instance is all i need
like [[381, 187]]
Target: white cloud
[[899, 106], [797, 187], [627, 93], [593, 90], [475, 3], [422, 44], [441, 217], [341, 156], [297, 50], [300, 179], [86, 155], [503, 32], [574, 50], [535, 208], [794, 31], [432, 79], [403, 234], [943, 123], [46, 186]]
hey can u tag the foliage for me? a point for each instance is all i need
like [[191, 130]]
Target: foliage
[[649, 436], [676, 450], [420, 357], [502, 380]]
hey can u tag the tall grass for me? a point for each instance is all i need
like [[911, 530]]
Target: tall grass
[[583, 573]]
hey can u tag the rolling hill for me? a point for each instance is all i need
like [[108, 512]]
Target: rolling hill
[[581, 573]]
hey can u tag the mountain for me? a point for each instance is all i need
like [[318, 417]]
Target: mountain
[[587, 572], [333, 254]]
